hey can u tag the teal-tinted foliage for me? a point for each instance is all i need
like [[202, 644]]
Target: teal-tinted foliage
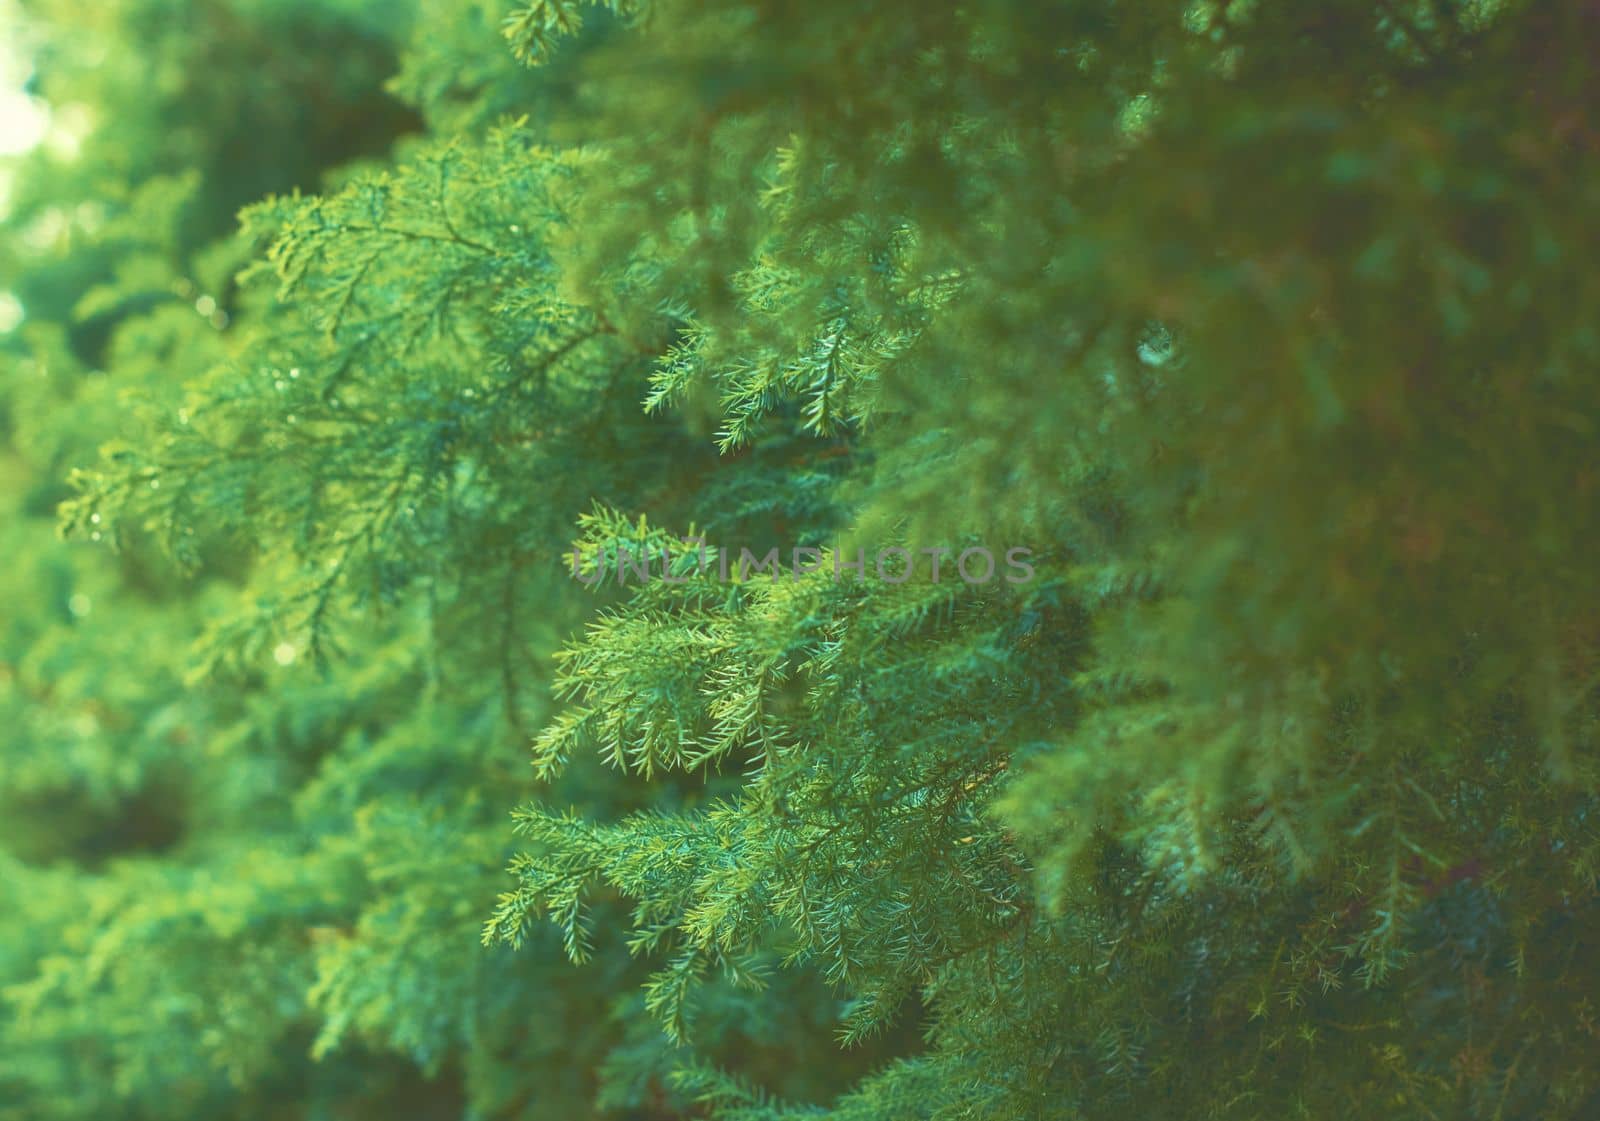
[[1268, 327]]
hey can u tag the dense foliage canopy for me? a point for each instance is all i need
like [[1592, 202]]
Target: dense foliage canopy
[[350, 769]]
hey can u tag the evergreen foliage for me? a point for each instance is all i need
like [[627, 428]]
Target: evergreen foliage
[[355, 770]]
